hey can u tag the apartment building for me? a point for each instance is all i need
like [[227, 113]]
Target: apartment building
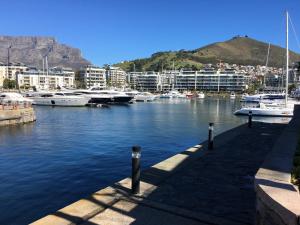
[[56, 78], [208, 79], [144, 81], [93, 76], [116, 77], [12, 70]]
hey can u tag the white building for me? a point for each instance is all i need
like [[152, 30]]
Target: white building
[[207, 80], [116, 77], [211, 80], [10, 72], [56, 78], [144, 81], [93, 76], [2, 74]]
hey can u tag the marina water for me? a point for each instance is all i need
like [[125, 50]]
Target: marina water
[[69, 153]]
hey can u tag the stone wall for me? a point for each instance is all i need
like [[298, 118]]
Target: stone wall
[[17, 116], [277, 200]]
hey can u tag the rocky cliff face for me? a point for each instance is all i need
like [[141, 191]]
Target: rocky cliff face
[[30, 51]]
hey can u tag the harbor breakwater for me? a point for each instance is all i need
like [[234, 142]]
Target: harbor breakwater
[[10, 115]]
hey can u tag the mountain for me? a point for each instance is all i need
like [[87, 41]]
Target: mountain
[[238, 50], [30, 50]]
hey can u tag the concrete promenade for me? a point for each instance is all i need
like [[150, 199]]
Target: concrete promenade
[[197, 186]]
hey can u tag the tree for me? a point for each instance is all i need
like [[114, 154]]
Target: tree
[[9, 84], [79, 82], [291, 88]]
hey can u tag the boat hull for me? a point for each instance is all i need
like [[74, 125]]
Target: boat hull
[[121, 99], [265, 112], [59, 102], [97, 100], [144, 98]]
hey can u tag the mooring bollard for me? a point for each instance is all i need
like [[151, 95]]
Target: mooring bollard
[[250, 119], [210, 136], [136, 169]]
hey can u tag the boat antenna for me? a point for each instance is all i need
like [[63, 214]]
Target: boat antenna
[[287, 58]]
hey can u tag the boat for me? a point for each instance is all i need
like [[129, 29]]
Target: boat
[[116, 96], [58, 99], [263, 96], [144, 97], [190, 95], [177, 94], [173, 94], [12, 98], [201, 95], [232, 95], [266, 110], [166, 95], [93, 97], [132, 93], [273, 109]]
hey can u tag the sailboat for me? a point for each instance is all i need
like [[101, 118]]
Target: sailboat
[[273, 109]]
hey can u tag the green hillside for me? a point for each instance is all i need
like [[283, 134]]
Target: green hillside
[[238, 50]]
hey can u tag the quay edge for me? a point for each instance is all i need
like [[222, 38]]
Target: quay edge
[[17, 116]]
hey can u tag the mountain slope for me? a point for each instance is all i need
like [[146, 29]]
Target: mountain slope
[[30, 51], [238, 50]]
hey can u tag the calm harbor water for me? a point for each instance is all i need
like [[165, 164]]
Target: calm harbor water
[[69, 153]]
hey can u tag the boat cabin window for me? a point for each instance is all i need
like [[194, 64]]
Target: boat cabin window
[[46, 95], [61, 94], [96, 89]]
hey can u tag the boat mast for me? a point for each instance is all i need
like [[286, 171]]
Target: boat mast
[[267, 61], [287, 58]]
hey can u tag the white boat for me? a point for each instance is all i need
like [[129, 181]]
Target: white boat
[[274, 109], [232, 95], [144, 97], [177, 94], [201, 95], [132, 93], [13, 98], [263, 97], [173, 94], [59, 99], [166, 95], [266, 110], [93, 97]]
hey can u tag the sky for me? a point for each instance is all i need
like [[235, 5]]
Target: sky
[[111, 31]]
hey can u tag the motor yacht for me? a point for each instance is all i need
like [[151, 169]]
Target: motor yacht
[[201, 95], [94, 97], [232, 95], [263, 97], [266, 110], [58, 99], [116, 96], [144, 97], [13, 98]]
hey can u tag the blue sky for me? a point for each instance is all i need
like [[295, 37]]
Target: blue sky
[[110, 31]]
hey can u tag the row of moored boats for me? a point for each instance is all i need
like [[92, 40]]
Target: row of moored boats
[[96, 96]]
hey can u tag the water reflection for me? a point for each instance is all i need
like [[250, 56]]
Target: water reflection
[[86, 149]]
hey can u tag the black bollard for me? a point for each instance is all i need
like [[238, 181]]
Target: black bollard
[[136, 169], [250, 119], [210, 136]]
